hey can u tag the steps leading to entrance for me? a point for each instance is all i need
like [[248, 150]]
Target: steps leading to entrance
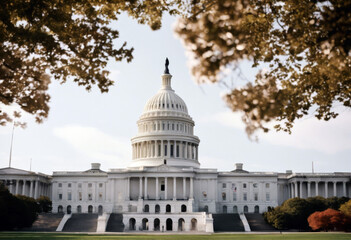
[[257, 223], [47, 222], [115, 223], [229, 222], [81, 222]]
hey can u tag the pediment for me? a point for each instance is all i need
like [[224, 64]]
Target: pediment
[[14, 171]]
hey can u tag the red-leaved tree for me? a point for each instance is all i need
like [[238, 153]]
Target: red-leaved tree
[[329, 219]]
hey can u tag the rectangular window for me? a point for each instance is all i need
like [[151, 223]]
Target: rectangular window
[[60, 196], [79, 185], [256, 197], [60, 185], [244, 185], [177, 151], [268, 197], [100, 196], [224, 196], [255, 185], [162, 186], [163, 126], [80, 196], [267, 185], [245, 197], [172, 150], [90, 196], [90, 185], [173, 126], [224, 185], [165, 150], [234, 196], [100, 185], [69, 185], [159, 150], [69, 196]]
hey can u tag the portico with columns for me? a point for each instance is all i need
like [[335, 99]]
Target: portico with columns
[[27, 183]]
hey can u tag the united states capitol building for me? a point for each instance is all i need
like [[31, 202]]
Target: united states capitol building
[[164, 188]]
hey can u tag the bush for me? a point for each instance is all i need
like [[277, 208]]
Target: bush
[[293, 213], [45, 204], [327, 220], [16, 211]]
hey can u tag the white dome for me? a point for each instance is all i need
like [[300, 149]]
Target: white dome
[[166, 102]]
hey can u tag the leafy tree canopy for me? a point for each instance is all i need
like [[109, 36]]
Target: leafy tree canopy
[[306, 44], [45, 39], [346, 208]]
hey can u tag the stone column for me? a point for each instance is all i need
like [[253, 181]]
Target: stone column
[[197, 152], [301, 184], [184, 187], [344, 188], [31, 189], [308, 189], [291, 190], [334, 188], [174, 188], [165, 188], [17, 184], [191, 188], [326, 189], [24, 187], [316, 186], [175, 149], [296, 193], [168, 148], [155, 149], [157, 188], [140, 187], [128, 189], [145, 194], [186, 150]]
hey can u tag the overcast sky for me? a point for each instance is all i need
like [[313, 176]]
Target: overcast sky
[[85, 127]]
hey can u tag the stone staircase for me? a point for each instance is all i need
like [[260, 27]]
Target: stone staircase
[[46, 222], [228, 222], [81, 222], [257, 223], [115, 223]]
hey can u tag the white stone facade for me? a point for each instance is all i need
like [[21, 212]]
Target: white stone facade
[[164, 187]]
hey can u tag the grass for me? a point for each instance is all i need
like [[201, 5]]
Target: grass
[[285, 236]]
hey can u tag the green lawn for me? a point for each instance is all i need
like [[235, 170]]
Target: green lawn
[[285, 236]]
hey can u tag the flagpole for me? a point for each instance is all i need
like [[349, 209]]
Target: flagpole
[[13, 129]]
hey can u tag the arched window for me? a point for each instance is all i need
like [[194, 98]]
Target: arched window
[[157, 208], [235, 209], [168, 208], [257, 209], [169, 224], [79, 209], [146, 208], [60, 209], [246, 209], [100, 209], [157, 224], [181, 224], [145, 224], [193, 224], [183, 208], [206, 208], [90, 209], [132, 224], [69, 209], [224, 209]]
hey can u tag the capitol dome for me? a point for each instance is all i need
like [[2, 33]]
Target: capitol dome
[[165, 102], [165, 131]]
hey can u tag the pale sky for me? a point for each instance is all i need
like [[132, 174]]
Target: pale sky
[[85, 127]]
